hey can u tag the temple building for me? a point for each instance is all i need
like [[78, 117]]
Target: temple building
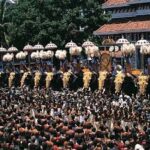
[[130, 18]]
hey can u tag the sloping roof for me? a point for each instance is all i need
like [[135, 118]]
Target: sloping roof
[[122, 3], [113, 3], [119, 28]]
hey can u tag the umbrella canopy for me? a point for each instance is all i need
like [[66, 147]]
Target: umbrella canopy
[[108, 42], [2, 49], [122, 41], [70, 44], [28, 47], [38, 47], [12, 49], [142, 42], [87, 43], [50, 46]]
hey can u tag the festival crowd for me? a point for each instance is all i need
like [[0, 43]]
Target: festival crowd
[[41, 119]]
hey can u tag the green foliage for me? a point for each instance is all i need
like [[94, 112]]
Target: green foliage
[[4, 38], [58, 21]]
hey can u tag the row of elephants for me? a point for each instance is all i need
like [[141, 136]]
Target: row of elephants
[[129, 85]]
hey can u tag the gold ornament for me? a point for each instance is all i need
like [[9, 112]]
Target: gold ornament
[[49, 78], [37, 79], [66, 77], [142, 82], [118, 81], [23, 78], [87, 75], [11, 78], [101, 79]]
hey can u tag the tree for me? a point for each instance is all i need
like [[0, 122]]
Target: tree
[[53, 20], [4, 35]]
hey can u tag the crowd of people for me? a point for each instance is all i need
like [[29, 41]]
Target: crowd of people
[[73, 118], [42, 119]]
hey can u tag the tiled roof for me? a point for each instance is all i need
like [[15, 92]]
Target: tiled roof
[[115, 2], [128, 27], [122, 3]]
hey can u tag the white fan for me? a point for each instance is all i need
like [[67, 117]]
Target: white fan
[[116, 48], [111, 49]]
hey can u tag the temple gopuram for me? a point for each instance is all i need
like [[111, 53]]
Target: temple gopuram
[[129, 23]]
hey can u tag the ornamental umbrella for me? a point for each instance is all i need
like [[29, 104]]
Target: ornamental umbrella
[[12, 49], [38, 47], [70, 44], [50, 46], [141, 42], [87, 43], [2, 49], [108, 41], [122, 41], [28, 47]]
